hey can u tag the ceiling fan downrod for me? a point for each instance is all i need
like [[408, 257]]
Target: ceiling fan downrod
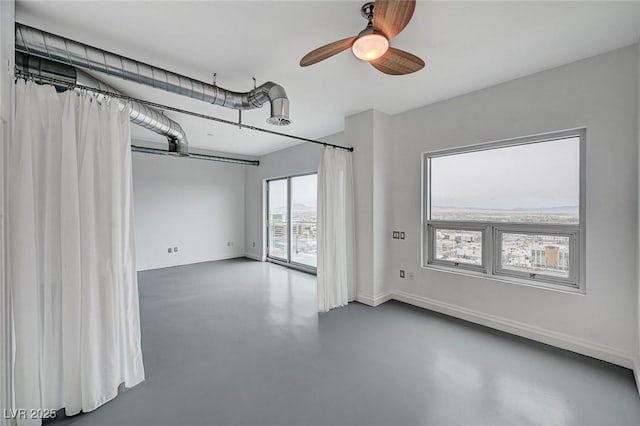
[[367, 12]]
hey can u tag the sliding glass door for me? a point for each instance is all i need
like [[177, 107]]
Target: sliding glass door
[[291, 220]]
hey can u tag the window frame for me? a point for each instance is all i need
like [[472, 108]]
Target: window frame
[[456, 226], [493, 231], [268, 208], [560, 231]]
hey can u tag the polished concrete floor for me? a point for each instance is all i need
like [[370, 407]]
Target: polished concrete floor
[[239, 342]]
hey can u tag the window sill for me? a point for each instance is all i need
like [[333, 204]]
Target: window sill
[[581, 291]]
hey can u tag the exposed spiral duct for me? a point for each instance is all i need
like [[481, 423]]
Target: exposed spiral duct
[[139, 114], [50, 46]]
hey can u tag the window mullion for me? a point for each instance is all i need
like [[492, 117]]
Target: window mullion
[[490, 250]]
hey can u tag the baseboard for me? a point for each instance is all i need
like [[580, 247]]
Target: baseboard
[[254, 256], [194, 262], [560, 340], [377, 300]]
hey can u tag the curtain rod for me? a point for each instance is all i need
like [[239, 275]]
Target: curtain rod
[[195, 156], [55, 81]]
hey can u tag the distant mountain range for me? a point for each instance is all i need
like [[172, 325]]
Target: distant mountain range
[[556, 210], [297, 207]]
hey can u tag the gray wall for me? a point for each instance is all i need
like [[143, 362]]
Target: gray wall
[[193, 204], [598, 93]]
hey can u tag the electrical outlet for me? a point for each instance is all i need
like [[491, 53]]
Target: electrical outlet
[[402, 235], [254, 244], [401, 273], [396, 235], [228, 243], [175, 249], [169, 250]]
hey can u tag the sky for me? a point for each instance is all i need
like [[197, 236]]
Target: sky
[[539, 175], [303, 191]]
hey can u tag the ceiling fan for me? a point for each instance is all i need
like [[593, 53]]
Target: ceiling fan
[[386, 18]]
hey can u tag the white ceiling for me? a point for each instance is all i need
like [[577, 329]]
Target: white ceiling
[[467, 46]]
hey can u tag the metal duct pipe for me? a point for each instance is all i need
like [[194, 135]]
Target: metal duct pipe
[[40, 43], [140, 114]]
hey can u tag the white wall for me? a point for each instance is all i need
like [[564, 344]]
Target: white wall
[[196, 205], [369, 132], [598, 93], [637, 361], [359, 133], [383, 147], [298, 159]]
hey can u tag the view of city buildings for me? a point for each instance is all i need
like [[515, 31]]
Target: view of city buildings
[[530, 253], [459, 246], [304, 232]]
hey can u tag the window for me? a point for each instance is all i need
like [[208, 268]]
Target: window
[[291, 221], [512, 210]]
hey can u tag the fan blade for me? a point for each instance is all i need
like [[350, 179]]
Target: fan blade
[[326, 51], [398, 62], [391, 16]]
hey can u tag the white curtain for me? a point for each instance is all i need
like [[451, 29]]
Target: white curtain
[[336, 233], [71, 251]]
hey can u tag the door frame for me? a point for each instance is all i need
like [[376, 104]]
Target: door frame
[[274, 259]]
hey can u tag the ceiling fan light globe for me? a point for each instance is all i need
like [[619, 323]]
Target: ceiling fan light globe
[[370, 47]]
